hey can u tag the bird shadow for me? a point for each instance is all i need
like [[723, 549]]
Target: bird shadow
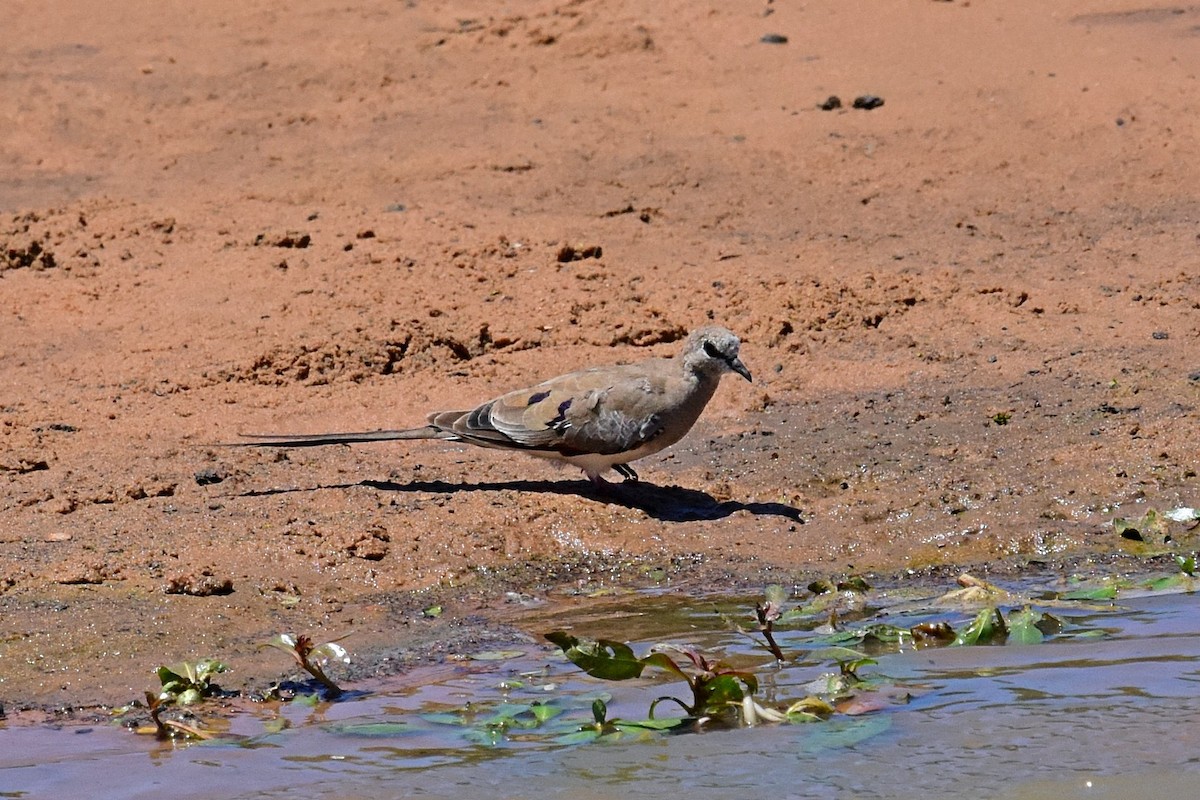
[[665, 503]]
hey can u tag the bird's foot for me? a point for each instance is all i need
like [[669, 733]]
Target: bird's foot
[[627, 472]]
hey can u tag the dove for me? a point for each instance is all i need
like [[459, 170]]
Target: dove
[[596, 419]]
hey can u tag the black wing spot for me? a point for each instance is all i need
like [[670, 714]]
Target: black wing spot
[[559, 423], [534, 399]]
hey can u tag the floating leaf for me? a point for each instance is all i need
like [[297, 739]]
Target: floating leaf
[[660, 724], [544, 712], [1180, 581], [496, 655], [840, 734], [381, 730], [605, 658], [809, 709], [842, 655], [987, 628], [1106, 592], [1031, 627], [854, 583], [445, 718]]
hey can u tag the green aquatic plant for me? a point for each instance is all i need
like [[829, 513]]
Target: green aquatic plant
[[188, 682], [165, 729], [715, 688], [313, 658]]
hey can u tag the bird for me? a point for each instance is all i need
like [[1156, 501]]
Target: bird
[[596, 419]]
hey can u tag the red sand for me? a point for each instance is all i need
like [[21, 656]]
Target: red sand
[[225, 217]]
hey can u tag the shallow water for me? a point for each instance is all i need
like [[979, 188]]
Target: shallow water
[[1107, 709]]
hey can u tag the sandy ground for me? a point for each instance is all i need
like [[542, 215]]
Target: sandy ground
[[973, 312]]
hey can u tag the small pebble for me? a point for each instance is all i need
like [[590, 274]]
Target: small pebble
[[774, 38], [832, 102], [206, 477], [868, 102]]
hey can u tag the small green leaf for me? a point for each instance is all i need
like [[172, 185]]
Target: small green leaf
[[721, 691], [380, 730], [822, 586], [599, 711], [837, 734], [1166, 583], [665, 662], [444, 718], [855, 584], [840, 654], [808, 709], [167, 676], [283, 641], [987, 628], [544, 712], [660, 724], [1023, 627], [605, 658], [1106, 592], [851, 668]]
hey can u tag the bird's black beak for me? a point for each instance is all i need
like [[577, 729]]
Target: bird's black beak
[[737, 366]]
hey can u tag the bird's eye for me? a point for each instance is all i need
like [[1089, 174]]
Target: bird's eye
[[711, 351]]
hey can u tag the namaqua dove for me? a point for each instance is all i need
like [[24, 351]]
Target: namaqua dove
[[596, 419]]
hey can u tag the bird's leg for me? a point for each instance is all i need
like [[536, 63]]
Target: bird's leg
[[596, 480], [626, 472]]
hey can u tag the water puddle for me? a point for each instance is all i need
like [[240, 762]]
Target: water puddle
[[1105, 707]]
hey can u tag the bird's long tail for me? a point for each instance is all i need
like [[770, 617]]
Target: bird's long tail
[[321, 439]]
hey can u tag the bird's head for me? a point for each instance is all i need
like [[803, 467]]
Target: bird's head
[[714, 351]]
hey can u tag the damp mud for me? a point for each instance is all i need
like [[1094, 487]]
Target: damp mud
[[972, 311]]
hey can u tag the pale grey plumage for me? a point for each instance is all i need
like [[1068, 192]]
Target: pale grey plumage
[[595, 419]]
